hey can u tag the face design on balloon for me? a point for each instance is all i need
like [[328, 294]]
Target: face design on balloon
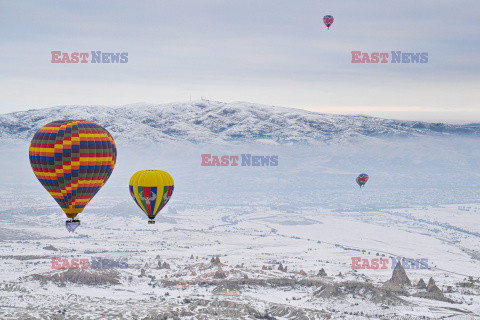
[[152, 197]]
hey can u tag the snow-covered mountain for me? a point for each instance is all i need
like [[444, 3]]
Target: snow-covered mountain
[[219, 122]]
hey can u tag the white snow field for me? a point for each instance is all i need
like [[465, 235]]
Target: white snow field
[[422, 202]]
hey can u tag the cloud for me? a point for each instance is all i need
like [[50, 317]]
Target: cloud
[[273, 52]]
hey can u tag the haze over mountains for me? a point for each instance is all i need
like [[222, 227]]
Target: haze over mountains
[[307, 214], [219, 122]]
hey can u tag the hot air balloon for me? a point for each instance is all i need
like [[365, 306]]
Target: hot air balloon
[[328, 20], [362, 179], [151, 190], [72, 159]]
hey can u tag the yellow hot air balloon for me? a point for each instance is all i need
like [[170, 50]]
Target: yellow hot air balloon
[[151, 190]]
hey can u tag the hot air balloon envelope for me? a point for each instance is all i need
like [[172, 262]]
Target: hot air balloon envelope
[[151, 190], [328, 20], [72, 159], [362, 179]]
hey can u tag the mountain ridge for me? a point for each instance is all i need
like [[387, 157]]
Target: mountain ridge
[[205, 121]]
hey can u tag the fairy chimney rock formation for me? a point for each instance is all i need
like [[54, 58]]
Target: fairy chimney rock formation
[[432, 287], [399, 277], [421, 284], [220, 274], [322, 273]]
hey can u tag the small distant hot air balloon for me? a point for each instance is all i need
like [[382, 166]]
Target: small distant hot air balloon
[[72, 159], [151, 190], [328, 20], [362, 179]]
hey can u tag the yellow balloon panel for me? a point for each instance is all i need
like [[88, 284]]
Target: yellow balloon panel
[[151, 190]]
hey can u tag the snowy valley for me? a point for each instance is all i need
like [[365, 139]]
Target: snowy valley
[[266, 242]]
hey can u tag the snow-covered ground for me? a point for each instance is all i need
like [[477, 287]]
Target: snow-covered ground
[[422, 202], [217, 122]]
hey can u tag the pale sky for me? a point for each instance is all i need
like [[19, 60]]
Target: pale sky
[[272, 52]]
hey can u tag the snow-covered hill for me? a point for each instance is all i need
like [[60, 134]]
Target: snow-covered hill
[[219, 122]]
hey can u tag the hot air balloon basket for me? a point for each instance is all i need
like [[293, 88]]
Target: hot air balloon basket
[[151, 222], [72, 224]]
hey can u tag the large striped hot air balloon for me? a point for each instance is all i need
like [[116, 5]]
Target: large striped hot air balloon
[[151, 190], [72, 159]]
